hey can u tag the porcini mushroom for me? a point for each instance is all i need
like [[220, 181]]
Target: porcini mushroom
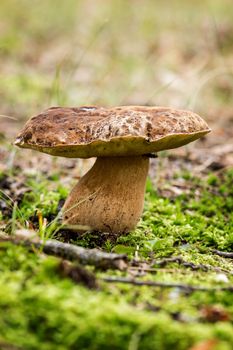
[[110, 196]]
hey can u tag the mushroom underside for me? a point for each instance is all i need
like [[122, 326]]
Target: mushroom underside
[[110, 196]]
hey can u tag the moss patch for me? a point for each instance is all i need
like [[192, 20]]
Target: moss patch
[[38, 306]]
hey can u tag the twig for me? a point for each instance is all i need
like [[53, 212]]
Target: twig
[[165, 261], [185, 287], [203, 267], [179, 260], [160, 263], [228, 255], [72, 252], [193, 267]]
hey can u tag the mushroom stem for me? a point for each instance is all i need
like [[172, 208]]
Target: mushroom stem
[[110, 196]]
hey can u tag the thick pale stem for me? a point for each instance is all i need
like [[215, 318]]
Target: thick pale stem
[[110, 196]]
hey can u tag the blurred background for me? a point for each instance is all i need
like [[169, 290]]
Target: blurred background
[[145, 52]]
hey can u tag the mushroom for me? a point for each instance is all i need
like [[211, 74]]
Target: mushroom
[[110, 196]]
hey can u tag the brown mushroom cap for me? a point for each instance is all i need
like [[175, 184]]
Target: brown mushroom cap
[[85, 132]]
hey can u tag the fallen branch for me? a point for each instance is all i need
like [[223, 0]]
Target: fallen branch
[[185, 287], [228, 255], [71, 252]]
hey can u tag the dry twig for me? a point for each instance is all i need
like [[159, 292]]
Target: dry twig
[[228, 255], [179, 260], [72, 252], [185, 287]]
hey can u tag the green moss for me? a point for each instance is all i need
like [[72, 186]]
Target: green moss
[[39, 307]]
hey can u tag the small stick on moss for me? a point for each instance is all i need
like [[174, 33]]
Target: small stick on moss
[[185, 287], [165, 261], [192, 266], [160, 263], [196, 267], [179, 260], [228, 255], [72, 252]]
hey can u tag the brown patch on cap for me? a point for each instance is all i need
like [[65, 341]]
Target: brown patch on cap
[[90, 131]]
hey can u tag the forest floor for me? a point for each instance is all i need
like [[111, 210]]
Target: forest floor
[[176, 290]]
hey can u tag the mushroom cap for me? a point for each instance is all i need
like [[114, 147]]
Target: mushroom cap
[[89, 131]]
